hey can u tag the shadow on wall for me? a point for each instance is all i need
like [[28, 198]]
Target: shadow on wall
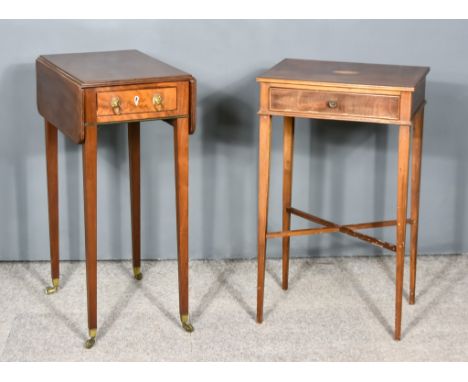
[[445, 144], [113, 213], [442, 206], [334, 142], [229, 123], [23, 153], [21, 143], [23, 202], [228, 131], [73, 186]]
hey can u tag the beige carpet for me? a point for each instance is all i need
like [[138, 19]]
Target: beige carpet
[[337, 309]]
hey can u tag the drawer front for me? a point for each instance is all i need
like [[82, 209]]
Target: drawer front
[[115, 105], [334, 103], [137, 101]]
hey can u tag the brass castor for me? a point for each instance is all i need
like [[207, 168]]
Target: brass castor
[[185, 319], [91, 340], [137, 273], [52, 289]]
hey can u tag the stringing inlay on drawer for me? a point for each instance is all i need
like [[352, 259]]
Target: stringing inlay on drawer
[[122, 102], [334, 103]]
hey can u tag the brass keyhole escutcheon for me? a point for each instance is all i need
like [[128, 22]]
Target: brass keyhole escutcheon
[[158, 102], [115, 104], [332, 104]]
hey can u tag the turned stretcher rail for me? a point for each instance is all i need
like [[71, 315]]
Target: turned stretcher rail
[[346, 229], [301, 232], [330, 227]]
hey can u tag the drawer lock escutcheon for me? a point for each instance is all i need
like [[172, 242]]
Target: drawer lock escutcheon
[[115, 104], [158, 102]]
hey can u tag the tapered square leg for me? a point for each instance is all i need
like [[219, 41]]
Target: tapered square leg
[[288, 155], [402, 197], [51, 144], [134, 171], [181, 158], [415, 189], [263, 188], [90, 216]]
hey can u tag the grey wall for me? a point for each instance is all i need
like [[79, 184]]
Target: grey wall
[[343, 171]]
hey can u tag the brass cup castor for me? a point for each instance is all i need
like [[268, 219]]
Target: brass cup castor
[[185, 319], [137, 275], [54, 288], [91, 340]]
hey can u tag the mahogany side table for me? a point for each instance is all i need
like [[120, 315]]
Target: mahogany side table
[[78, 92], [387, 94]]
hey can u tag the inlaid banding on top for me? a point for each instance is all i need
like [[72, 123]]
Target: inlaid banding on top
[[346, 72]]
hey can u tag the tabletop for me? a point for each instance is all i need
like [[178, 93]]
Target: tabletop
[[113, 68], [345, 73]]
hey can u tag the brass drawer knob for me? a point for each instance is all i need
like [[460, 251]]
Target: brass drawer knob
[[158, 102], [115, 104], [332, 104]]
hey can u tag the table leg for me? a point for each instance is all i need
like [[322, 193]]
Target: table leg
[[51, 145], [263, 187], [402, 198], [181, 159], [415, 189], [90, 217], [288, 153], [134, 170]]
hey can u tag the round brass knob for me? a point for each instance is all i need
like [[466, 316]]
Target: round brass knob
[[115, 104], [157, 101], [332, 104]]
